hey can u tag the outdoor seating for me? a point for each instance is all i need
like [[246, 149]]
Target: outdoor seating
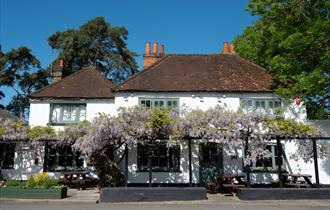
[[297, 180], [78, 179], [230, 183]]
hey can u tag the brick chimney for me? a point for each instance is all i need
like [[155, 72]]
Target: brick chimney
[[232, 48], [225, 49], [57, 70], [149, 57], [228, 49]]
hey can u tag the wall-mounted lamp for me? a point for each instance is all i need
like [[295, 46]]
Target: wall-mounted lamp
[[201, 99], [193, 96], [125, 98], [132, 94], [223, 96]]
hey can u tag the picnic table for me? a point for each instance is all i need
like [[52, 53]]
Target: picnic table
[[228, 182], [78, 179], [297, 180]]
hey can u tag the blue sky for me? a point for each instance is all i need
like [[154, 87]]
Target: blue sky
[[183, 26]]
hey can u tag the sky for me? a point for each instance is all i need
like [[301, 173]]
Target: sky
[[183, 26]]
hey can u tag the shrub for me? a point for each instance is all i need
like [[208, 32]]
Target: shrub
[[40, 178], [31, 183], [50, 183], [15, 183]]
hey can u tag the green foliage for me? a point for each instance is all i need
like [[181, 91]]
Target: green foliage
[[40, 178], [15, 183], [97, 44], [50, 183], [41, 133], [291, 40], [31, 183], [20, 68]]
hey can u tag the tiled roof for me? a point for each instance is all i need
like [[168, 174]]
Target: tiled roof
[[87, 83], [189, 72]]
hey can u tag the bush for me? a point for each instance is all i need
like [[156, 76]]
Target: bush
[[31, 183], [50, 183], [15, 183], [40, 178]]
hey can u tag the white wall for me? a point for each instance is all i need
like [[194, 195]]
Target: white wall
[[24, 164], [39, 114], [193, 100], [40, 110], [166, 177]]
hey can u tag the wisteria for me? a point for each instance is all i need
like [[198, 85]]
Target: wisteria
[[12, 130], [136, 124]]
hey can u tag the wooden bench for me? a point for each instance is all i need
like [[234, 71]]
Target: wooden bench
[[79, 179]]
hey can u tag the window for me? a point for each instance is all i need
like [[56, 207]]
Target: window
[[7, 155], [163, 158], [62, 159], [166, 103], [68, 113], [210, 152], [270, 164], [260, 105]]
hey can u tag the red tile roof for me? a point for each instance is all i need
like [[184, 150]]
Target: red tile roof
[[213, 73], [87, 83]]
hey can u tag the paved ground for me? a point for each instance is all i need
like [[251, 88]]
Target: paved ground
[[214, 202]]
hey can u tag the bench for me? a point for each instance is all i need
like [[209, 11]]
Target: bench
[[79, 179]]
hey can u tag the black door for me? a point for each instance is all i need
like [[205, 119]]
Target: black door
[[210, 162]]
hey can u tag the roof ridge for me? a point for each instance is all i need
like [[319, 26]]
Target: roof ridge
[[144, 70], [64, 79]]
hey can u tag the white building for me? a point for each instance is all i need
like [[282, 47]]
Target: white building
[[194, 81]]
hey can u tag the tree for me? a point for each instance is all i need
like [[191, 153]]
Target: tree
[[291, 39], [15, 69], [97, 44], [27, 83]]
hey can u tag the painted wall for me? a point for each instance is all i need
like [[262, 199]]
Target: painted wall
[[40, 110], [39, 115], [24, 164]]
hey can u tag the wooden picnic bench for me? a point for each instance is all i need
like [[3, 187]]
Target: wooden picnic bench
[[78, 179], [297, 180], [229, 183]]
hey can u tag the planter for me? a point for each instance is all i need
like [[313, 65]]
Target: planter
[[142, 194], [283, 193], [12, 192]]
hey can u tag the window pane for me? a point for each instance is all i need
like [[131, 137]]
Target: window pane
[[143, 103], [271, 104], [277, 104], [169, 103], [148, 104], [82, 116], [175, 104], [56, 113]]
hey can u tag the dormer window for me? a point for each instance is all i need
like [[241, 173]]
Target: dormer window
[[67, 113]]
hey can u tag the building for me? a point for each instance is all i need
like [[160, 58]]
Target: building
[[176, 80]]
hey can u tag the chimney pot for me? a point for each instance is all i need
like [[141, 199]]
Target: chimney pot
[[162, 50], [155, 48], [148, 48], [225, 48], [232, 48]]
